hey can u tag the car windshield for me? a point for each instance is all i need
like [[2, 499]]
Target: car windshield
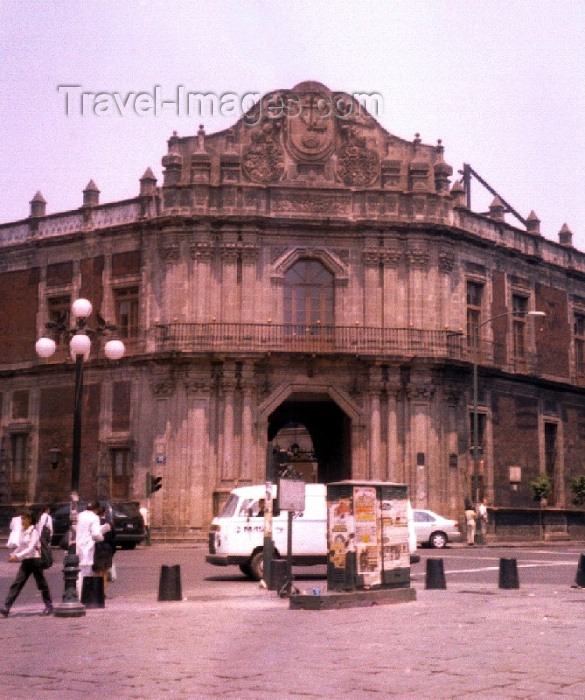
[[230, 507]]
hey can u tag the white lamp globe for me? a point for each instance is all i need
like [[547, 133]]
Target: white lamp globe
[[80, 344], [114, 349], [45, 347], [81, 308]]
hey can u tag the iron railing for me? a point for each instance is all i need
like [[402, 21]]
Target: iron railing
[[251, 337], [400, 343]]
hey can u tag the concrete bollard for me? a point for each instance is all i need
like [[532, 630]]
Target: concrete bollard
[[92, 592], [435, 577], [508, 574], [580, 578], [169, 587]]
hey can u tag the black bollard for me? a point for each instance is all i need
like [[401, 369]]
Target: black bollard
[[580, 579], [508, 574], [278, 574], [435, 577], [169, 587], [92, 592]]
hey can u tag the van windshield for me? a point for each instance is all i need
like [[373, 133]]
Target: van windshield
[[230, 507]]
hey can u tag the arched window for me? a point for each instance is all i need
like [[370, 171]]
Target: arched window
[[308, 295]]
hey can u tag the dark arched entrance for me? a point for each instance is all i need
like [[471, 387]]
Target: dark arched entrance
[[328, 426]]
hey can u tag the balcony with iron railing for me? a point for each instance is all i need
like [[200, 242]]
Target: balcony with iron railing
[[296, 338], [317, 339]]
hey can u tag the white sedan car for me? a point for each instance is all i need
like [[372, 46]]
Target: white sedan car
[[434, 530]]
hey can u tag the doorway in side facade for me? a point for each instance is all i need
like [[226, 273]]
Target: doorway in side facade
[[328, 427]]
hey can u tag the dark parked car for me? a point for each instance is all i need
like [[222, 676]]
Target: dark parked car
[[128, 522]]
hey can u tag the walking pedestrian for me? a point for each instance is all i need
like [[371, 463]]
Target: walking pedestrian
[[103, 557], [88, 533], [45, 521], [482, 517], [470, 519], [28, 554], [15, 528]]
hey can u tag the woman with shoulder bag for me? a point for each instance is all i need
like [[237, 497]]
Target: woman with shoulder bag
[[28, 554], [104, 551]]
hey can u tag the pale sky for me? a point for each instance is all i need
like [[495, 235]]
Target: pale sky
[[501, 83]]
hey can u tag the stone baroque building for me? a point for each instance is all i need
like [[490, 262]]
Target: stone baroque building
[[303, 268]]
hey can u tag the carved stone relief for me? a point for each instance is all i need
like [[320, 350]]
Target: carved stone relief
[[310, 129], [357, 164], [264, 159]]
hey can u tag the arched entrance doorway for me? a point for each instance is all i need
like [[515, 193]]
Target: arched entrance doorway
[[328, 428]]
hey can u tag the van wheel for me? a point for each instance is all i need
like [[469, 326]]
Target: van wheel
[[257, 566]]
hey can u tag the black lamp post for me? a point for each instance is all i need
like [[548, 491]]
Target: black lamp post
[[80, 346], [476, 328]]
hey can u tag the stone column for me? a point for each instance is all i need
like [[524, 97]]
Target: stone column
[[420, 392], [248, 438], [394, 301], [228, 467], [169, 251], [202, 475], [394, 461], [249, 267], [372, 305], [418, 259], [229, 285], [201, 253], [376, 457]]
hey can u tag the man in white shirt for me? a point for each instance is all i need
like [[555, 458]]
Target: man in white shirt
[[15, 529], [87, 534], [47, 520]]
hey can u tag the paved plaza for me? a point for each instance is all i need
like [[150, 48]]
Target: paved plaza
[[232, 639]]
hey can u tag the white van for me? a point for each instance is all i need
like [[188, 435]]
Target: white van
[[236, 536]]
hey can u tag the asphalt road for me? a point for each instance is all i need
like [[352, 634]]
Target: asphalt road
[[553, 565], [140, 569]]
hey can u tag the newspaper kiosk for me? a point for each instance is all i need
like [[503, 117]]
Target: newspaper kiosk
[[367, 534]]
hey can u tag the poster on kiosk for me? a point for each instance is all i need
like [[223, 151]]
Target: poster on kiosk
[[367, 535]]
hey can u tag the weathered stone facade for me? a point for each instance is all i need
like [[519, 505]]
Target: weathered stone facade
[[305, 267]]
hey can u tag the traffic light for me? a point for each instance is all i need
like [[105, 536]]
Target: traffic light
[[153, 484]]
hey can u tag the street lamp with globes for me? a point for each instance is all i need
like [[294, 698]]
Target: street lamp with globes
[[80, 347], [476, 327]]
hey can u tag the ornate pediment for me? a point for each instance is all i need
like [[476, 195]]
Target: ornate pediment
[[308, 136]]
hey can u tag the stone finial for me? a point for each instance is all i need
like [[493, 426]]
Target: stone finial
[[91, 195], [497, 210], [443, 171], [566, 236], [201, 138], [533, 223], [458, 194], [172, 162], [147, 183], [38, 205]]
